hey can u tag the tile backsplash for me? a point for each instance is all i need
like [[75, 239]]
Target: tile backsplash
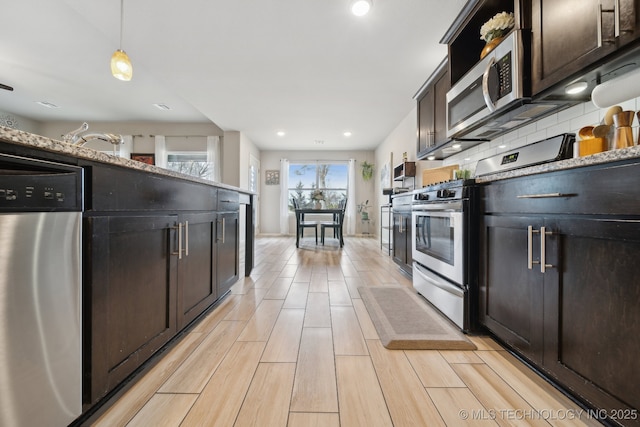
[[565, 121]]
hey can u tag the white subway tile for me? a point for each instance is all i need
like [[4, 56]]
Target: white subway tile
[[535, 137], [563, 127], [527, 129], [571, 112], [591, 119], [547, 122]]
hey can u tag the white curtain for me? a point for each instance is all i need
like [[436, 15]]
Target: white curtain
[[213, 156], [350, 214], [161, 151], [124, 149], [284, 196]]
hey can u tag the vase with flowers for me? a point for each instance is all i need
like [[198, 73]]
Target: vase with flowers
[[494, 30], [317, 196]]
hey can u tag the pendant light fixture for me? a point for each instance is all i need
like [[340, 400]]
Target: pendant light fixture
[[360, 7], [121, 67]]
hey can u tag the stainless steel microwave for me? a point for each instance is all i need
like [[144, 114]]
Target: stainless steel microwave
[[494, 96]]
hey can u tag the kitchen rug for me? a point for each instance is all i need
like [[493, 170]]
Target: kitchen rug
[[406, 321]]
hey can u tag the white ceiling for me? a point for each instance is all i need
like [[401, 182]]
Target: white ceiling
[[307, 67]]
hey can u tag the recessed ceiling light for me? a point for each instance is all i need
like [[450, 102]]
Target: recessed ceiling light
[[456, 146], [466, 159], [502, 146], [280, 133], [576, 87], [360, 7], [47, 104], [347, 134], [431, 158], [163, 107]]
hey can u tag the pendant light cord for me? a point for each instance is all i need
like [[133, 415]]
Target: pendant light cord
[[121, 20]]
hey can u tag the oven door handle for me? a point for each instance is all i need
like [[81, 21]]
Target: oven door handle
[[441, 207], [452, 289]]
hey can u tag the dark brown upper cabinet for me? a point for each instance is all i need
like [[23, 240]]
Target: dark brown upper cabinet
[[572, 37], [432, 111]]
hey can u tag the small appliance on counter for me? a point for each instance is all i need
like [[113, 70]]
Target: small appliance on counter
[[552, 149]]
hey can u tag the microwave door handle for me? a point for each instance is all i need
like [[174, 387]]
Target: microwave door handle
[[485, 85]]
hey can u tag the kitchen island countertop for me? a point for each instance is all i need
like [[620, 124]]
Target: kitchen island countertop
[[27, 139]]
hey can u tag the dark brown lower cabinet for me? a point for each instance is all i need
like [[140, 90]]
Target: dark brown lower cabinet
[[129, 296], [593, 323], [402, 243], [511, 294], [576, 319], [227, 250], [197, 288]]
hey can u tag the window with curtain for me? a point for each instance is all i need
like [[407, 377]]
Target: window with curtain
[[318, 181]]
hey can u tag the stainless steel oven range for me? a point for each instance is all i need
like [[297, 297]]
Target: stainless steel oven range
[[444, 233]]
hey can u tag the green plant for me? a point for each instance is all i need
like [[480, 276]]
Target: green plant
[[362, 209], [367, 170]]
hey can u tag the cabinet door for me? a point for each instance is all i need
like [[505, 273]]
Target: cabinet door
[[196, 272], [400, 236], [227, 241], [591, 313], [130, 296], [441, 87], [426, 123], [511, 294], [570, 35], [402, 243]]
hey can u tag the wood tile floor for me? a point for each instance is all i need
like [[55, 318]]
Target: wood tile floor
[[293, 345]]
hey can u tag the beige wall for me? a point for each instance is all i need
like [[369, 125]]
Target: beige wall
[[402, 139], [20, 122], [270, 194]]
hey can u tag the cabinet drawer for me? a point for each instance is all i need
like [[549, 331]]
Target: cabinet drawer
[[602, 190], [228, 200]]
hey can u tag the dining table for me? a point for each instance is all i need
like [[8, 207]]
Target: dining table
[[301, 212]]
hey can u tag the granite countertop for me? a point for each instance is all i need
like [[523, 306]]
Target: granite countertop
[[27, 139], [594, 159]]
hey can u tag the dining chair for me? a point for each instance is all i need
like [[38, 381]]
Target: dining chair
[[336, 224], [301, 224]]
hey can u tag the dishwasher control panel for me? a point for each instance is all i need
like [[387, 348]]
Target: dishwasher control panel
[[40, 186]]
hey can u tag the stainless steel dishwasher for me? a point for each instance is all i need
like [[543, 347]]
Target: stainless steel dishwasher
[[40, 292]]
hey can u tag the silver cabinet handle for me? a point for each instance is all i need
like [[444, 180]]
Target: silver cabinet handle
[[186, 238], [599, 24], [530, 261], [540, 196], [223, 233], [179, 253], [543, 249], [616, 12]]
